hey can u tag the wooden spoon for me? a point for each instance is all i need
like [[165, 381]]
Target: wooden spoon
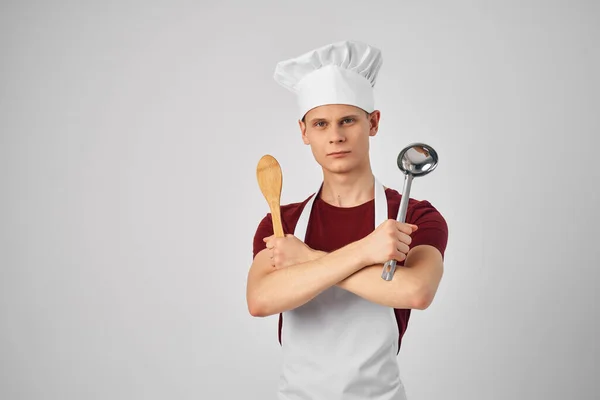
[[268, 174]]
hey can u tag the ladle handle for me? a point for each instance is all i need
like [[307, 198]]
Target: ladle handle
[[390, 266]]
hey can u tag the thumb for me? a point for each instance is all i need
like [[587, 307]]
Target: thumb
[[415, 227]]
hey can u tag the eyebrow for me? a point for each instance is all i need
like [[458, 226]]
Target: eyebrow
[[313, 120]]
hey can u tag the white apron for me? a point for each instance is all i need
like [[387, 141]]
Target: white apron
[[339, 346]]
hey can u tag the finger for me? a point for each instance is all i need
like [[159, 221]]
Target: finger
[[400, 256], [272, 241], [276, 241], [266, 239], [406, 228], [403, 248], [404, 238]]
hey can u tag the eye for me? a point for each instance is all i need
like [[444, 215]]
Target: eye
[[319, 123], [348, 119]]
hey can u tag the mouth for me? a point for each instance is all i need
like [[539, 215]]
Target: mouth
[[338, 153]]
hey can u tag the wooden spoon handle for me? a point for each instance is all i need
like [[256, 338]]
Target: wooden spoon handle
[[276, 217]]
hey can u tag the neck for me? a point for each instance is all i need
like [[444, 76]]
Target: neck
[[348, 190]]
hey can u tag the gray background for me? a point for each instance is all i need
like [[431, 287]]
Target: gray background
[[130, 134]]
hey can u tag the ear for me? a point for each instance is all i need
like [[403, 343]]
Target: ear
[[302, 126], [374, 122]]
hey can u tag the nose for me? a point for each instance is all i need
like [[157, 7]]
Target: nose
[[336, 136]]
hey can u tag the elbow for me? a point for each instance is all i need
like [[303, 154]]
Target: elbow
[[255, 312], [256, 308], [421, 303], [422, 299]]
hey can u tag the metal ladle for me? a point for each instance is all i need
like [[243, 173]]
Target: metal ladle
[[416, 159]]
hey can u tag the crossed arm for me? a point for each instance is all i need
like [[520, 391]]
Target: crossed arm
[[413, 285], [271, 291]]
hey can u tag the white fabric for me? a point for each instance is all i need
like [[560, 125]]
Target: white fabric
[[338, 73], [339, 346]]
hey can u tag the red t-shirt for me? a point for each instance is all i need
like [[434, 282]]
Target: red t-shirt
[[331, 228]]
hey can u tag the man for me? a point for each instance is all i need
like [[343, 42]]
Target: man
[[340, 323]]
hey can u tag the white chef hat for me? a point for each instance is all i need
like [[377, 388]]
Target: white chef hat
[[338, 73]]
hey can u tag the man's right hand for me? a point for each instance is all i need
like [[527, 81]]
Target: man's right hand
[[288, 251], [389, 241]]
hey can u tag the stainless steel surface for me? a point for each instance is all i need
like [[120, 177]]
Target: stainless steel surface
[[416, 159]]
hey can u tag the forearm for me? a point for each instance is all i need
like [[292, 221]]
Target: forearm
[[288, 288], [403, 291]]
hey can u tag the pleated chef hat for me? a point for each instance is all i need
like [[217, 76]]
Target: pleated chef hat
[[338, 73]]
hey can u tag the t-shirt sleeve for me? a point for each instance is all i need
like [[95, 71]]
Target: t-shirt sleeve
[[433, 229], [265, 228]]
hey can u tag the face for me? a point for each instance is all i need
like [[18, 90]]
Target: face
[[339, 136]]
